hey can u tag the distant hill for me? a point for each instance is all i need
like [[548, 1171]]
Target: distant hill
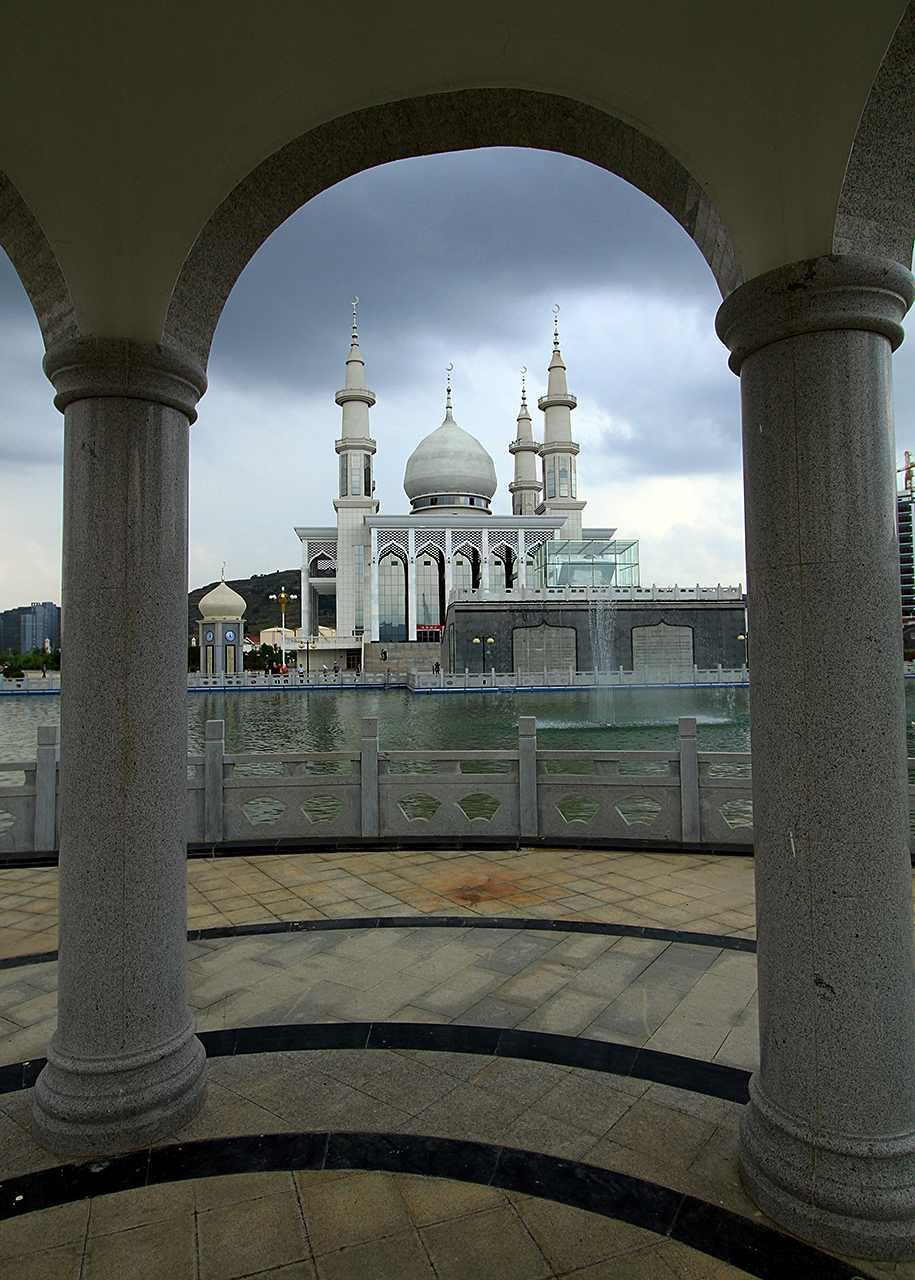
[[262, 612]]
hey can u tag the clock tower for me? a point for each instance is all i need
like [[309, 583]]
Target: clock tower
[[220, 631]]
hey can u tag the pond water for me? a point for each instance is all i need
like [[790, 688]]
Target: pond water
[[329, 719]]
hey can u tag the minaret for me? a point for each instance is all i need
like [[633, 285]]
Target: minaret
[[525, 489], [559, 450], [356, 449]]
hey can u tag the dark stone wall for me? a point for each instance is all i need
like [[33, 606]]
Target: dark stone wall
[[716, 626]]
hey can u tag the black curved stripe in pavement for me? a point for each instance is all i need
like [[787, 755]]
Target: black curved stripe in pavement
[[708, 1228], [721, 940], [710, 1078]]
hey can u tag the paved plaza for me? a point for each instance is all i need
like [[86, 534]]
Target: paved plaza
[[373, 1020]]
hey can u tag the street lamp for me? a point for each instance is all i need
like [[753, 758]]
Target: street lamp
[[479, 640], [284, 600]]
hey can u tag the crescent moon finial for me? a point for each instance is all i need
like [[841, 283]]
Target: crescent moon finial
[[448, 368], [556, 327], [523, 369], [355, 301], [223, 570]]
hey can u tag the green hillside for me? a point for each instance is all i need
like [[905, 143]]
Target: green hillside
[[261, 612]]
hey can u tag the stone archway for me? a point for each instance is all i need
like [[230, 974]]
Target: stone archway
[[461, 120]]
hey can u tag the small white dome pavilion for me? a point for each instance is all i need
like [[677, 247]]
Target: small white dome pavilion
[[220, 631]]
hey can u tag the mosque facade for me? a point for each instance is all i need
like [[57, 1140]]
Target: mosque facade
[[393, 575]]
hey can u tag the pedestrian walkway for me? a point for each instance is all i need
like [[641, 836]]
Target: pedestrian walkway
[[424, 1064]]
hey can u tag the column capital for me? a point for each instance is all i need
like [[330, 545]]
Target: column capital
[[853, 291], [91, 368]]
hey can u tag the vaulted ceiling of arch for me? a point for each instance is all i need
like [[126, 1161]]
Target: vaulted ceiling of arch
[[124, 128]]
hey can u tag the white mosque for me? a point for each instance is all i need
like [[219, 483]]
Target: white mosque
[[393, 576]]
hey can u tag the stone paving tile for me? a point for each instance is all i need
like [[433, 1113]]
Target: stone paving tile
[[567, 1013], [139, 1207], [740, 1047], [683, 998], [587, 1094], [484, 977], [611, 973], [492, 1245], [159, 1248], [250, 1237], [515, 1078], [493, 1012], [694, 1027], [324, 884], [62, 1225], [637, 1012], [459, 992], [562, 1238], [572, 1238]]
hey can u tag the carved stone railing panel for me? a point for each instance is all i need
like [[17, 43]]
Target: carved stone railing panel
[[462, 796], [559, 815], [277, 808], [17, 806]]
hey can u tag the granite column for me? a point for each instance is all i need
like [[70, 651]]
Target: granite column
[[124, 1065], [828, 1138]]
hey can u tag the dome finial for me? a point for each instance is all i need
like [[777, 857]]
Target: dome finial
[[556, 327], [223, 571], [448, 370], [355, 303]]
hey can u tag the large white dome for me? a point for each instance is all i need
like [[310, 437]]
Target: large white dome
[[222, 604], [452, 467]]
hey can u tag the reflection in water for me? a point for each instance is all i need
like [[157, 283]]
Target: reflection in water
[[329, 719]]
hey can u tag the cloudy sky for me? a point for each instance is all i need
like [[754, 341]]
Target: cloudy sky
[[456, 259]]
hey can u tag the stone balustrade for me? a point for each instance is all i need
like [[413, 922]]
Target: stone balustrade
[[684, 796], [547, 678], [681, 796]]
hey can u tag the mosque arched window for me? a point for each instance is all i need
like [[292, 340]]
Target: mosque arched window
[[392, 598], [429, 590], [462, 573]]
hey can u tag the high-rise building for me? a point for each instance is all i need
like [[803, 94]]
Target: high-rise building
[[39, 627], [904, 505]]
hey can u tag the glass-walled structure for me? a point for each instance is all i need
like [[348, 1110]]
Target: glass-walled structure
[[599, 563], [392, 598]]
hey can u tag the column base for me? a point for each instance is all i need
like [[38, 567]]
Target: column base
[[849, 1194], [102, 1106]]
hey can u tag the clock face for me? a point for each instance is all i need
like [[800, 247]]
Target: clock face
[[230, 636], [209, 637]]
